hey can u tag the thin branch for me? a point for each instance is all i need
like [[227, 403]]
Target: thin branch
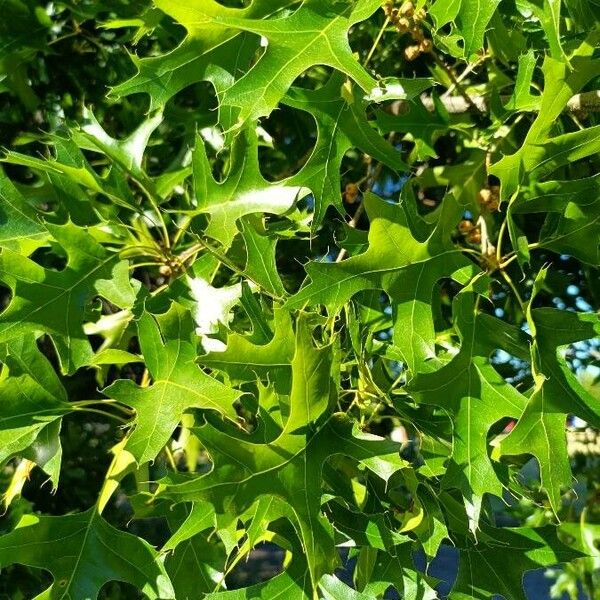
[[455, 105], [222, 258], [371, 179], [456, 84], [469, 69], [376, 42]]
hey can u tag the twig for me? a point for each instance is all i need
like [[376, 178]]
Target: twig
[[222, 258], [514, 289], [371, 179], [487, 248], [97, 411], [455, 105], [377, 40], [470, 68], [456, 83]]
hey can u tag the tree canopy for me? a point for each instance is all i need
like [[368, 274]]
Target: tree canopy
[[319, 277]]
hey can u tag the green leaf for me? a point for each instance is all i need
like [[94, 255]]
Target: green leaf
[[210, 52], [33, 403], [246, 469], [71, 164], [200, 518], [23, 33], [541, 430], [470, 19], [156, 247], [293, 582], [575, 220], [539, 155], [83, 552], [56, 302], [244, 360], [476, 397], [340, 127], [400, 572], [373, 531], [522, 99], [283, 585], [433, 529], [129, 152], [20, 226], [178, 384], [549, 16], [192, 549], [505, 42], [484, 571], [70, 181], [243, 192], [314, 34], [333, 588], [464, 180], [418, 125], [398, 263], [260, 258]]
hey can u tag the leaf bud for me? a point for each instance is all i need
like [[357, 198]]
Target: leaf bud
[[407, 9], [484, 196], [351, 192], [419, 15], [474, 236], [417, 33], [426, 46], [412, 52], [403, 25], [465, 226], [489, 198]]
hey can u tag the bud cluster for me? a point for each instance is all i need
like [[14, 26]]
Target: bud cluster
[[407, 19], [351, 193], [489, 198], [470, 231]]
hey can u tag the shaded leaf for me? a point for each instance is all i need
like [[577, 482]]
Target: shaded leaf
[[83, 552]]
